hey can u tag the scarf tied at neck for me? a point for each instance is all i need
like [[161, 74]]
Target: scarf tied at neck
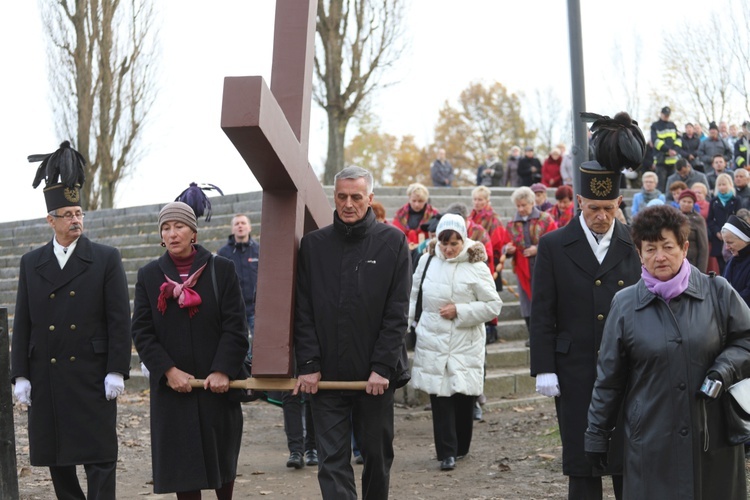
[[182, 292]]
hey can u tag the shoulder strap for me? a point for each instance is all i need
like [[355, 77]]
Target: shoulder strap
[[716, 306], [418, 311], [213, 279]]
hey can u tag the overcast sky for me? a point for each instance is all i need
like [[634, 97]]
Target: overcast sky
[[523, 45]]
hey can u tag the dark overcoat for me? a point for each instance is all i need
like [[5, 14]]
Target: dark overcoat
[[69, 331], [572, 295], [195, 436], [718, 214], [654, 358]]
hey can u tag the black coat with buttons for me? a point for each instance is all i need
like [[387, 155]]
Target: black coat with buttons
[[70, 329], [571, 295]]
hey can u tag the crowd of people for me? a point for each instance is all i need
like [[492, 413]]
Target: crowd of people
[[622, 329]]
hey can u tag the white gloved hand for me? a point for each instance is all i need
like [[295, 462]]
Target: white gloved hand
[[145, 371], [22, 390], [114, 385], [547, 384]]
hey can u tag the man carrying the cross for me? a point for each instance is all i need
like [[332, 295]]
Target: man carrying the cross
[[352, 302]]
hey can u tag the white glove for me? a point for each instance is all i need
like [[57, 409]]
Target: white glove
[[114, 385], [145, 371], [22, 390], [547, 384]]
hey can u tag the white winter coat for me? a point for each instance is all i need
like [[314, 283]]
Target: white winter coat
[[449, 355]]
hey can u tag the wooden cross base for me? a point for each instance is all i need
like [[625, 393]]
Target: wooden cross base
[[285, 384]]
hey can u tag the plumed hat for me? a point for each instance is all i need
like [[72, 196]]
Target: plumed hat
[[63, 174], [618, 144], [196, 199]]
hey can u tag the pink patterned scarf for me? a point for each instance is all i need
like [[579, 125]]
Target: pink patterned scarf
[[182, 292]]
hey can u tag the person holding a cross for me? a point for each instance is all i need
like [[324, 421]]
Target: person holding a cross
[[189, 323], [352, 303]]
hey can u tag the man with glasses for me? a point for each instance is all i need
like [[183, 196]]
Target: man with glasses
[[71, 342]]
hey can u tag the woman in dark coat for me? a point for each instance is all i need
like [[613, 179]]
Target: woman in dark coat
[[698, 250], [736, 234], [187, 325], [724, 204], [661, 341]]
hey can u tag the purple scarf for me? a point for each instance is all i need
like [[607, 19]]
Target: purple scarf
[[667, 289]]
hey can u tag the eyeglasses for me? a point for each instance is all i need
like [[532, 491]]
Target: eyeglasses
[[69, 216]]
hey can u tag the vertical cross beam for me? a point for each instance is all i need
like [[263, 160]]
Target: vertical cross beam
[[270, 129]]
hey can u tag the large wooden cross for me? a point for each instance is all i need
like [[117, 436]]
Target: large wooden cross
[[270, 129]]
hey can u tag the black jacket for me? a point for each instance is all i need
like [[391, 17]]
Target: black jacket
[[71, 329], [525, 175], [352, 300], [571, 298]]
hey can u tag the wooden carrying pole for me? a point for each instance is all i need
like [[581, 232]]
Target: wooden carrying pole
[[285, 384]]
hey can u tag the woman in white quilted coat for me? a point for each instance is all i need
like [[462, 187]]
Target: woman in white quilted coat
[[458, 297]]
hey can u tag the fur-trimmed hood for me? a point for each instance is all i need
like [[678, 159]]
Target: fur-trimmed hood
[[474, 250]]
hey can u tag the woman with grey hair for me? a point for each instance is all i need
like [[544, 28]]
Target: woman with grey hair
[[524, 231]]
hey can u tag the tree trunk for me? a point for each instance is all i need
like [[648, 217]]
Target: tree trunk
[[336, 138]]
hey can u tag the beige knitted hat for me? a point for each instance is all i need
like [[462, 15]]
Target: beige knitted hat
[[178, 211]]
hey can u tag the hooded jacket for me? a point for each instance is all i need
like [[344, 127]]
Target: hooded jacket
[[449, 355]]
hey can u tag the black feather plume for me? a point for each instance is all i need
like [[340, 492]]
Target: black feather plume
[[64, 165], [618, 142], [195, 197]]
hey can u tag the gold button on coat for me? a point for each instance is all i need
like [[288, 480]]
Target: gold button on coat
[[72, 358], [72, 327], [598, 282], [52, 296], [621, 283], [53, 361], [52, 328], [72, 293], [600, 317]]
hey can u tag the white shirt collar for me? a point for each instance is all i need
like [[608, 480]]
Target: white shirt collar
[[600, 248], [63, 253]]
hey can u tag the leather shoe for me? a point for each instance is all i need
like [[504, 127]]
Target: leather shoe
[[311, 457], [295, 460], [448, 464]]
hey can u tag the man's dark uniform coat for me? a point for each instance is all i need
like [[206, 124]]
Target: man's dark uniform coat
[[571, 299], [71, 328]]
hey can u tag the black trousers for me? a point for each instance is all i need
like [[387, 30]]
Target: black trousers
[[335, 414], [452, 424], [100, 480], [298, 422], [590, 488]]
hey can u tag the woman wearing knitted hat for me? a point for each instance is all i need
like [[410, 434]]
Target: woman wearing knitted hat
[[452, 296], [189, 323]]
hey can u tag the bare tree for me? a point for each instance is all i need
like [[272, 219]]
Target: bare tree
[[627, 62], [697, 68], [357, 41], [102, 58], [547, 117], [740, 46]]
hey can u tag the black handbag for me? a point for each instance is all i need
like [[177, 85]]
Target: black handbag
[[736, 399], [737, 412]]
